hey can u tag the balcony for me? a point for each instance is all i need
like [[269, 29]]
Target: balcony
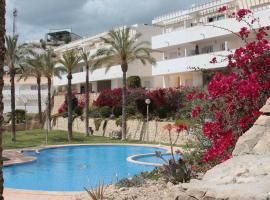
[[97, 75], [186, 64], [203, 32]]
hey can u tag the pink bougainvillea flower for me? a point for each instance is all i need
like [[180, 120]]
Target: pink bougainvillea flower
[[195, 111], [222, 9], [181, 127]]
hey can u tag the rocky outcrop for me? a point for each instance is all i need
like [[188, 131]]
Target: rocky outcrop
[[246, 175]]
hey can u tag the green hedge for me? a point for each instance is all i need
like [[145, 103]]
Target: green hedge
[[134, 82]]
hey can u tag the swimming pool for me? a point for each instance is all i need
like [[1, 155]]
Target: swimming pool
[[72, 168]]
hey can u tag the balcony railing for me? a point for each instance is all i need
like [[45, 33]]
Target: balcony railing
[[187, 64]]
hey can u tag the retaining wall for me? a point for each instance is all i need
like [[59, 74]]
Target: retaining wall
[[136, 130]]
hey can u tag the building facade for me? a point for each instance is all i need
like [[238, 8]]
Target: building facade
[[186, 41], [101, 78], [26, 94], [191, 38]]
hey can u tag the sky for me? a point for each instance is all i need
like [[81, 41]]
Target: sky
[[85, 17]]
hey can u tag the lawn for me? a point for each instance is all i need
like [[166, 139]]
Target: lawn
[[35, 138]]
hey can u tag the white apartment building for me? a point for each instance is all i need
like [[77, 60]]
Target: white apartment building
[[189, 40], [26, 94], [186, 40], [101, 79]]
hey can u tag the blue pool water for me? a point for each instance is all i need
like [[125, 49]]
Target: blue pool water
[[154, 159], [75, 167]]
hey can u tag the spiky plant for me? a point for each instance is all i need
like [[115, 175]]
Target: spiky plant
[[97, 193]]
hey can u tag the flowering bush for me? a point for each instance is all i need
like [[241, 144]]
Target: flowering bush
[[77, 106], [108, 97], [163, 101], [234, 98]]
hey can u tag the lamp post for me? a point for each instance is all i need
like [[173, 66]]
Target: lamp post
[[147, 101], [25, 118], [47, 120]]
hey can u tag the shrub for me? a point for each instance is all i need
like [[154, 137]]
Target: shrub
[[20, 115], [105, 111], [135, 181], [139, 179], [117, 111], [94, 112], [134, 82], [131, 110], [162, 112], [118, 122], [77, 106], [97, 123], [108, 97]]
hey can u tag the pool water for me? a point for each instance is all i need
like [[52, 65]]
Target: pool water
[[154, 159], [75, 167]]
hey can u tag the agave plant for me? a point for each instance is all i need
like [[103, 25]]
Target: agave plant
[[97, 193]]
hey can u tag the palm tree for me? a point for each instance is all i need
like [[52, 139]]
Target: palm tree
[[33, 68], [2, 57], [88, 61], [70, 60], [49, 70], [12, 59], [123, 48]]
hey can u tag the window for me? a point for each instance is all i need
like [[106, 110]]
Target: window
[[220, 17], [147, 84], [211, 19], [216, 18], [178, 52], [43, 87], [7, 87], [207, 49], [33, 87], [222, 46]]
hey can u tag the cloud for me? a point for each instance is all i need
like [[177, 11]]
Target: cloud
[[85, 17]]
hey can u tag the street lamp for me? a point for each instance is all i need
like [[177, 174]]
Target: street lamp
[[47, 120], [25, 118], [147, 101]]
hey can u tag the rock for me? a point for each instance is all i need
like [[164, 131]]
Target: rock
[[169, 185], [122, 189]]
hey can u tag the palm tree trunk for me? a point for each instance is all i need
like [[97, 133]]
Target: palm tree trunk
[[13, 114], [87, 101], [2, 55], [39, 100], [124, 67], [69, 100], [49, 82]]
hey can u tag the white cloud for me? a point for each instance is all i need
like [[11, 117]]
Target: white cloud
[[85, 17]]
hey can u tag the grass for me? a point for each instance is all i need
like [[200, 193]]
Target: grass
[[35, 138]]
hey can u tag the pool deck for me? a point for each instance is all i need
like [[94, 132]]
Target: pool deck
[[16, 156]]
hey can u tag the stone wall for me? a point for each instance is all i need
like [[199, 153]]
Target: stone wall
[[136, 130], [32, 125]]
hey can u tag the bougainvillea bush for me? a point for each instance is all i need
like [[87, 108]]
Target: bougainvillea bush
[[234, 98], [167, 100], [77, 106]]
